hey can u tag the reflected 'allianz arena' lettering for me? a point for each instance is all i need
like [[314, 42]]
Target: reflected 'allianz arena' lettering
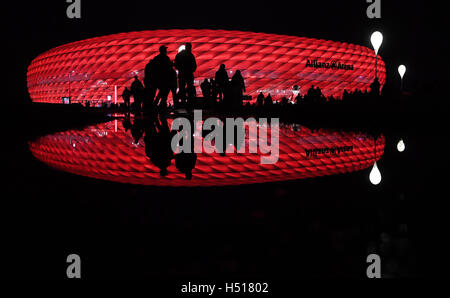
[[269, 63]]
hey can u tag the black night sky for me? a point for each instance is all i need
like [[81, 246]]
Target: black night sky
[[414, 31]]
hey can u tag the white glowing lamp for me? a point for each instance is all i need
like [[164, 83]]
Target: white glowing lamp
[[376, 39], [375, 175], [402, 70], [181, 48], [400, 146]]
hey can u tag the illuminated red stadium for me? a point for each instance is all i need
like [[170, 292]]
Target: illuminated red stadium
[[106, 151], [269, 63]]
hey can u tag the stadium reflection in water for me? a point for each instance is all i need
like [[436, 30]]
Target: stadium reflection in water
[[116, 151]]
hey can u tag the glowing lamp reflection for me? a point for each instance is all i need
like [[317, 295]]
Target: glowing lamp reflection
[[375, 175]]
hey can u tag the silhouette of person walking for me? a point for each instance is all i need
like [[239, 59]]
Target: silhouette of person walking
[[137, 90], [260, 99], [186, 65], [213, 85], [238, 87], [268, 102], [173, 84], [239, 80], [164, 69], [158, 77], [150, 84], [126, 95], [221, 80], [205, 86]]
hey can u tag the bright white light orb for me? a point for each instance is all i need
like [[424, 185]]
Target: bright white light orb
[[375, 175], [181, 48], [400, 146], [376, 39], [402, 70]]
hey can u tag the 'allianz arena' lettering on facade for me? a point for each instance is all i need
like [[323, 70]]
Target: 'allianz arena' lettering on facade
[[101, 67]]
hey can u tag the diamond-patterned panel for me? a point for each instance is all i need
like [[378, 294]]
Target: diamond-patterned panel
[[269, 63]]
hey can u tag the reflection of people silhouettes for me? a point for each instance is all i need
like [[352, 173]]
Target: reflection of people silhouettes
[[185, 161], [137, 90], [126, 95], [126, 123], [186, 65], [221, 80], [137, 129], [236, 142], [158, 142]]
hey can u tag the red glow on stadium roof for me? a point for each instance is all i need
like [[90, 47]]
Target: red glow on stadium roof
[[269, 63]]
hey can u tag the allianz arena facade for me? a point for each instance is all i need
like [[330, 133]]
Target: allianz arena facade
[[98, 69]]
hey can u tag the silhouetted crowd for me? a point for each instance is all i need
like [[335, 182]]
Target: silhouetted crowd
[[164, 76], [161, 79], [314, 95]]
